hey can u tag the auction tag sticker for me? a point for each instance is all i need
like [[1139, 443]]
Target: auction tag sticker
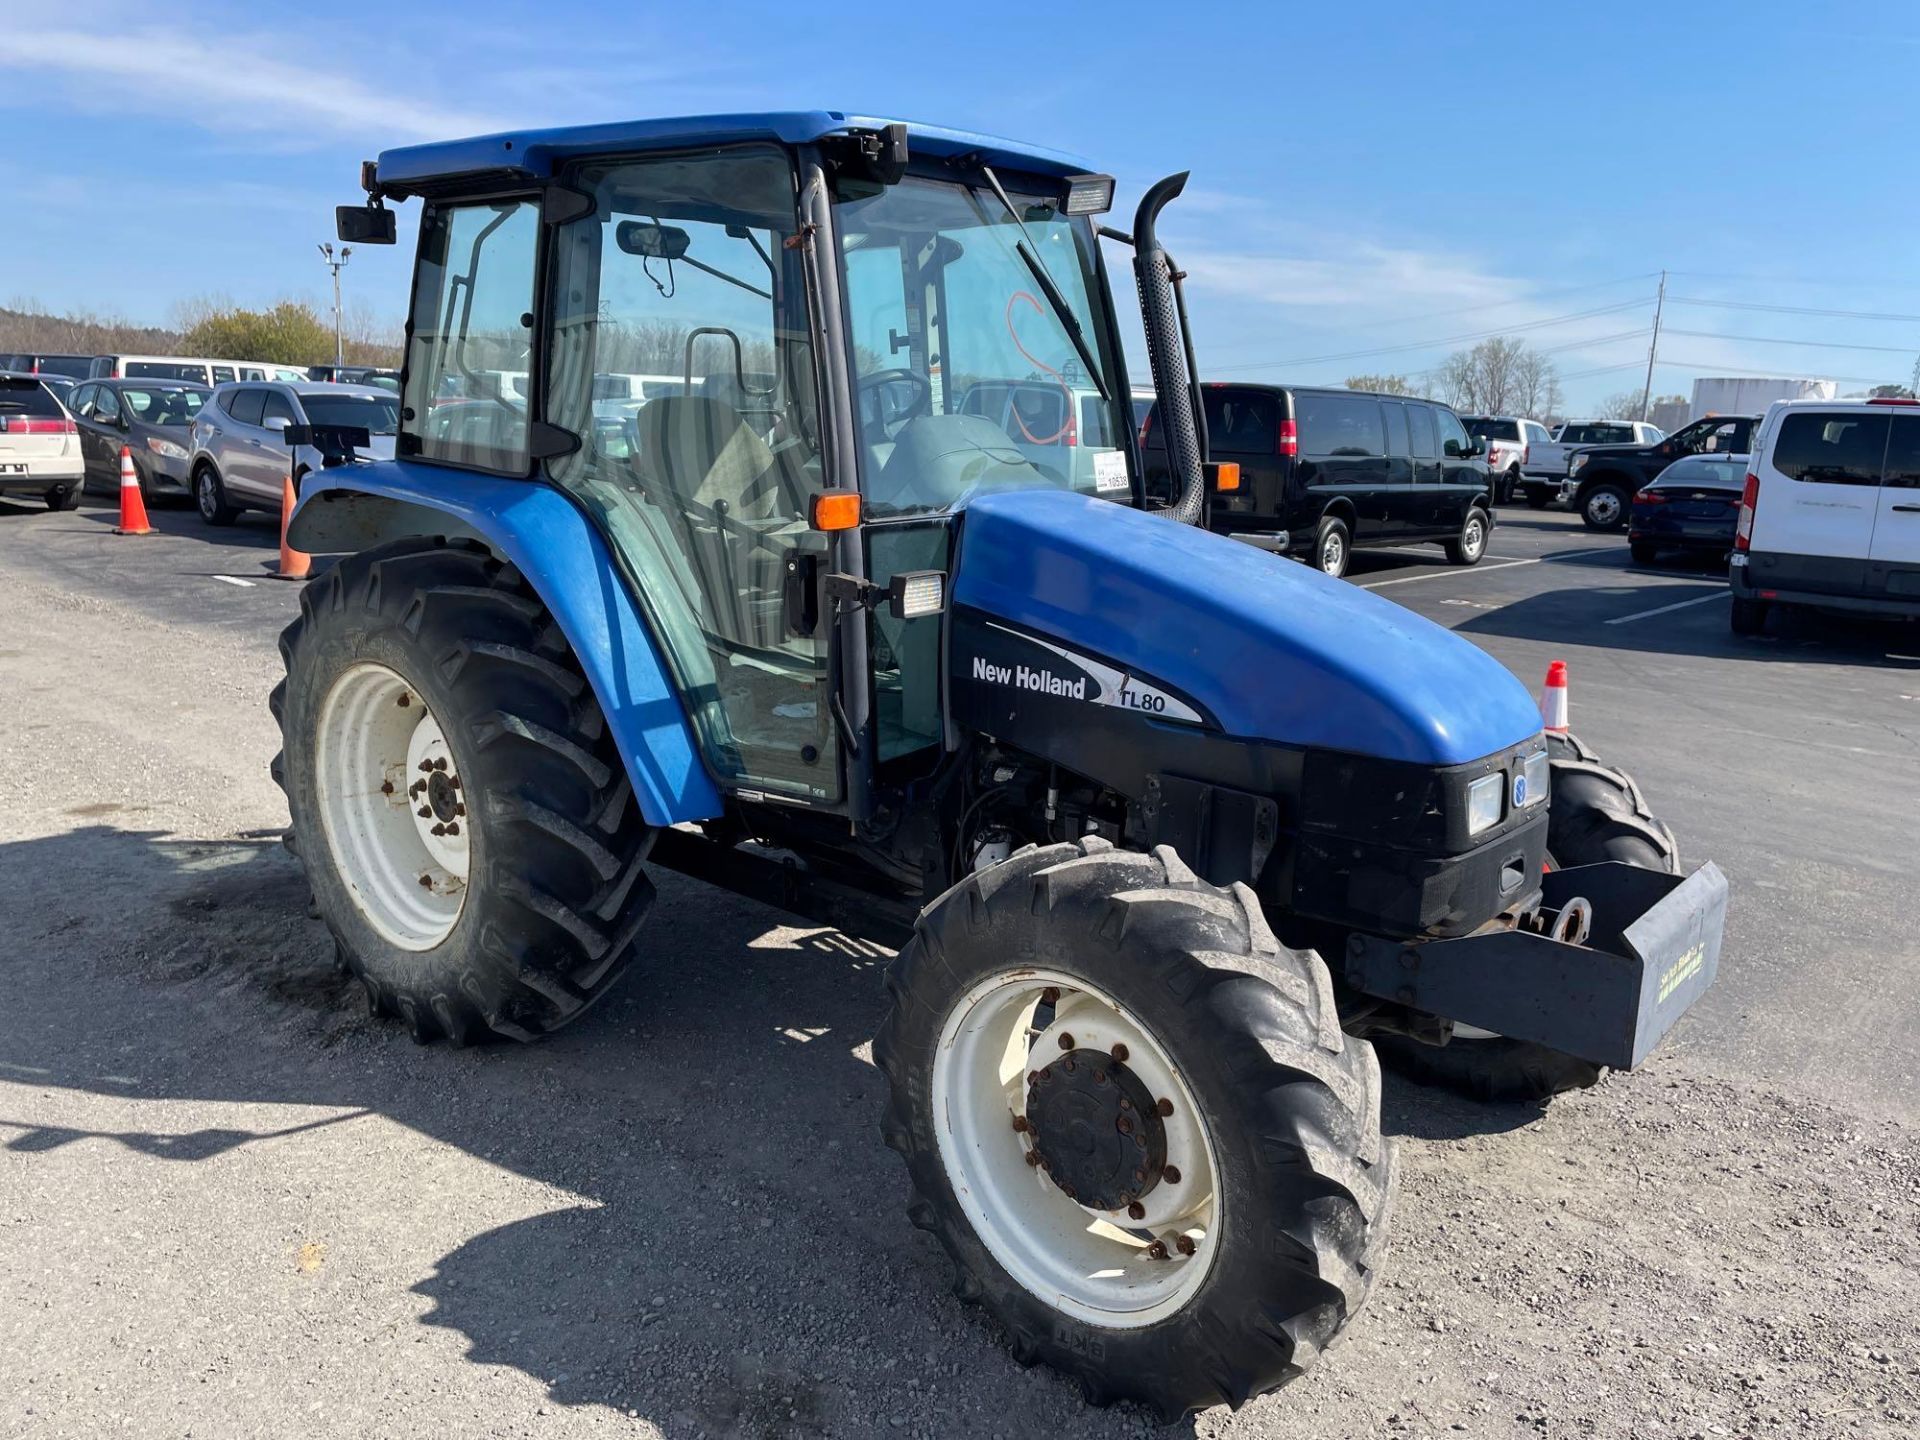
[[1109, 472]]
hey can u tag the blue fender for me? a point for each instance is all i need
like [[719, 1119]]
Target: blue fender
[[564, 558]]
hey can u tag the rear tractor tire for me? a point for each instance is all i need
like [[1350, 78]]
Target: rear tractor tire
[[1131, 1118], [1597, 814], [466, 823]]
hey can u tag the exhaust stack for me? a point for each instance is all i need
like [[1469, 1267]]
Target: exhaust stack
[[1170, 354]]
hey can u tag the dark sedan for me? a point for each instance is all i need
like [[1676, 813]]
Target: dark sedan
[[148, 417], [1692, 505]]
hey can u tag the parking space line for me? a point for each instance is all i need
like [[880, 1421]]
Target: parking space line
[[235, 580], [1455, 573], [1677, 605]]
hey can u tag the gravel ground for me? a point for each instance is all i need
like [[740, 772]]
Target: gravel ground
[[231, 1205]]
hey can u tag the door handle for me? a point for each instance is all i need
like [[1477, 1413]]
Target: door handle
[[1908, 509]]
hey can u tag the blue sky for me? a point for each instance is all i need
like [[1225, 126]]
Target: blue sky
[[1364, 176]]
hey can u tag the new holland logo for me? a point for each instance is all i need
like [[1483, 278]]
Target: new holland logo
[[1094, 684]]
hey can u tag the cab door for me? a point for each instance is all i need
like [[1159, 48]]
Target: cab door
[[1893, 563]]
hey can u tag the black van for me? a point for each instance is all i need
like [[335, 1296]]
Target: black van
[[1323, 471]]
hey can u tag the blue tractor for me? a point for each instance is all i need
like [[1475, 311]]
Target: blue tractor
[[768, 507]]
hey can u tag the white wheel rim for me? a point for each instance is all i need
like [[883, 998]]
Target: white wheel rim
[[1094, 1265], [379, 759], [1476, 537]]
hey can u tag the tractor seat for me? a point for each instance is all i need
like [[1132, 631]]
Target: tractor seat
[[702, 450]]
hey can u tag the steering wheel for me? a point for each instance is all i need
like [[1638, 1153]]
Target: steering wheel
[[869, 385]]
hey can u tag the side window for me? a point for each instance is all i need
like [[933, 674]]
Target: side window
[[246, 405], [1425, 446], [1831, 449], [1396, 428], [1903, 454], [81, 405], [276, 408], [223, 375], [1334, 424], [472, 322], [1537, 434], [107, 408], [1453, 435]]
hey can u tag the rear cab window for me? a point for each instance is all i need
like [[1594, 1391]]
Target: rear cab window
[[1828, 448], [1603, 432], [1484, 429]]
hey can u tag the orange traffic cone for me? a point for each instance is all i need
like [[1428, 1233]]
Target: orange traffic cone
[[294, 564], [133, 510], [1553, 700]]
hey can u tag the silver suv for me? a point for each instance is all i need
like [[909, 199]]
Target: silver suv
[[240, 456]]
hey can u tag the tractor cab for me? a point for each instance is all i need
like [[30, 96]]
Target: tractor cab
[[760, 354]]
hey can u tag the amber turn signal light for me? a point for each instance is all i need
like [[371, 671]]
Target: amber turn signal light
[[836, 510], [1226, 475]]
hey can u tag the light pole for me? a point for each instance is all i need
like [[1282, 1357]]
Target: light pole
[[334, 264]]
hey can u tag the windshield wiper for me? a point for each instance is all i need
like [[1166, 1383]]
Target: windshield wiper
[[1062, 311]]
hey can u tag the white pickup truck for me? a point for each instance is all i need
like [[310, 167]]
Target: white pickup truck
[[1546, 464]]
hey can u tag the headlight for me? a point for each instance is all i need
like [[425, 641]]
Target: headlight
[[1531, 785], [1483, 802], [166, 447], [1573, 465]]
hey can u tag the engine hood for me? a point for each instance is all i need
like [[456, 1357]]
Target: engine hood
[[1263, 648]]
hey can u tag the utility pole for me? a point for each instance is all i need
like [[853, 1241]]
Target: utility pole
[[335, 264], [1653, 350]]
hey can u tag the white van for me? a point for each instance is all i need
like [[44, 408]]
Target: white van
[[186, 367], [1831, 514]]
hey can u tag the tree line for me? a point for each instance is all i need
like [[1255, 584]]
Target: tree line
[[288, 332]]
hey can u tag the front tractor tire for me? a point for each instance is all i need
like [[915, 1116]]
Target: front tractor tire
[[1596, 813], [466, 823], [1131, 1118]]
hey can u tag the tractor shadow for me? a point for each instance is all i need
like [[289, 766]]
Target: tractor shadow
[[725, 1250]]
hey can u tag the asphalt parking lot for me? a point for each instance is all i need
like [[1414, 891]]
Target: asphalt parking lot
[[230, 1204]]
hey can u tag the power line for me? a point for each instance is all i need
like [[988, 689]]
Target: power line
[[1702, 368], [1528, 299], [1541, 324], [1775, 340], [1597, 341], [1796, 309]]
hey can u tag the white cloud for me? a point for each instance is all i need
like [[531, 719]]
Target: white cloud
[[224, 84]]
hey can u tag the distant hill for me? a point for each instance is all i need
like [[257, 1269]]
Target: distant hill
[[37, 330]]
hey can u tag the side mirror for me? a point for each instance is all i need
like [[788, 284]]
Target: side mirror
[[364, 224], [1451, 449], [275, 422], [652, 242]]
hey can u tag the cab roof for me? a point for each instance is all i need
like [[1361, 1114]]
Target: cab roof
[[537, 154]]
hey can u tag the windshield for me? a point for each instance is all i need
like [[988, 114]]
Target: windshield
[[1493, 429], [1598, 433], [163, 406], [968, 379], [377, 417]]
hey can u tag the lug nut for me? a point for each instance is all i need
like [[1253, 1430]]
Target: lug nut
[[404, 700], [1156, 1251], [1123, 1124], [454, 781], [426, 882], [1119, 1053], [453, 827], [1020, 1124], [1164, 1106], [1066, 1041], [438, 830], [1136, 1211], [386, 787], [1170, 1174], [1033, 1157], [1184, 1244], [1050, 995], [425, 812], [426, 766], [459, 809], [1139, 1177], [440, 763]]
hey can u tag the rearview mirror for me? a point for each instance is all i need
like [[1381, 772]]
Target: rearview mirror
[[364, 224], [653, 242]]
